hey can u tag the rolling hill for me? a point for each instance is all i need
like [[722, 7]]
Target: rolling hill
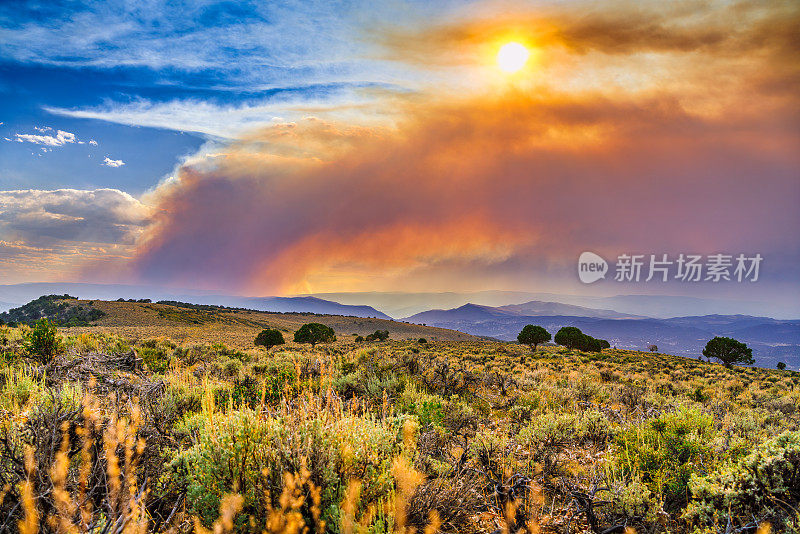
[[18, 294], [237, 327]]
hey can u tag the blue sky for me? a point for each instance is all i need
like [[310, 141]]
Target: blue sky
[[28, 90], [150, 82]]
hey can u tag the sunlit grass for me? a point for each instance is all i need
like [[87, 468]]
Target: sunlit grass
[[440, 437]]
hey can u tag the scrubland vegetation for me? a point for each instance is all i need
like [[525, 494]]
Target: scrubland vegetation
[[114, 433], [193, 324]]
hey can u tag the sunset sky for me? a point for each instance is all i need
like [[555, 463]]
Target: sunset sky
[[272, 148]]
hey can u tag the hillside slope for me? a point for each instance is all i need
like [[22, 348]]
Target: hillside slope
[[238, 327], [15, 295]]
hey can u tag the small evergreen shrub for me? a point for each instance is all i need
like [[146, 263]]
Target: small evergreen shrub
[[269, 338], [314, 333], [155, 354], [42, 342], [666, 451], [762, 487], [378, 335]]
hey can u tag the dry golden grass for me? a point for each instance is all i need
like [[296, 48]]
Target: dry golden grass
[[238, 328]]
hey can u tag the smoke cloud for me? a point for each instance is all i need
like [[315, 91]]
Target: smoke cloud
[[661, 130]]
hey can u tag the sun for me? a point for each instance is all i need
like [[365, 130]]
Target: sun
[[512, 56]]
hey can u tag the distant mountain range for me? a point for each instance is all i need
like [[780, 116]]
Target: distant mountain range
[[772, 340], [291, 304], [533, 308], [656, 306]]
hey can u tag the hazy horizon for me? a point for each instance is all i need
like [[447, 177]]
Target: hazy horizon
[[400, 305]]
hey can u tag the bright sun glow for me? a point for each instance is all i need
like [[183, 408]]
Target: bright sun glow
[[512, 57]]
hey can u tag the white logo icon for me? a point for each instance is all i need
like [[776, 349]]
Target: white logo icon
[[591, 267]]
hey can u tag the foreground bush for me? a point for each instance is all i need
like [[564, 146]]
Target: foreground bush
[[69, 469], [155, 354], [763, 487], [42, 341], [664, 452], [257, 458]]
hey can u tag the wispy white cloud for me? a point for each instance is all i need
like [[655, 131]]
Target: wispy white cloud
[[229, 121], [265, 40], [50, 138], [225, 122], [231, 48], [108, 162], [61, 138]]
